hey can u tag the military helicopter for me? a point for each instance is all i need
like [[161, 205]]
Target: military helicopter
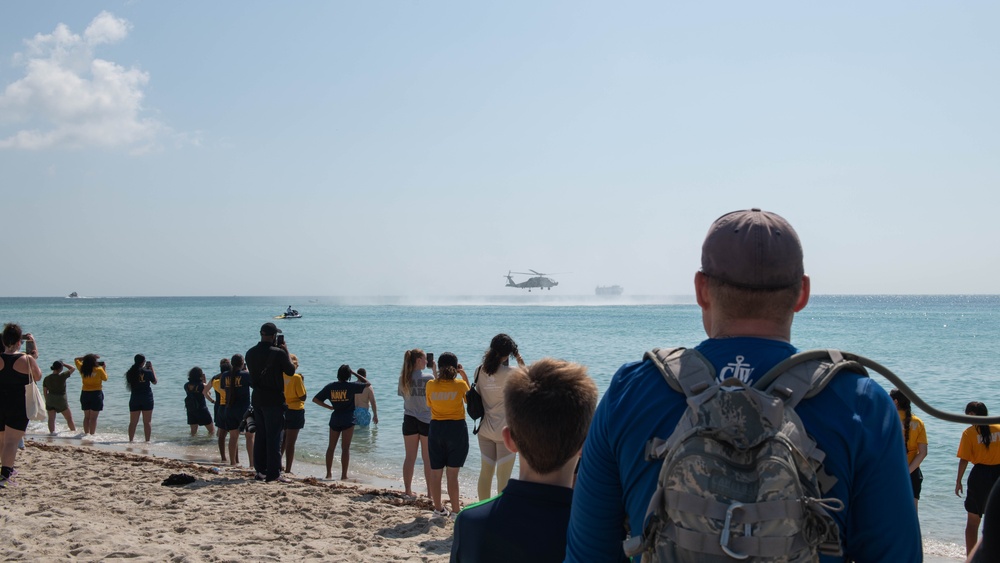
[[539, 280]]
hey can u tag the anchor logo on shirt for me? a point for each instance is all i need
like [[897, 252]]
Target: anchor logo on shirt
[[736, 369]]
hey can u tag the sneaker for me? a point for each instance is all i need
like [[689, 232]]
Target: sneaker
[[443, 513], [20, 445], [259, 477]]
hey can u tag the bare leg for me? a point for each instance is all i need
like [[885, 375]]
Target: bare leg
[[426, 457], [93, 422], [971, 530], [411, 443], [133, 421], [452, 473], [68, 415], [234, 448], [248, 436], [434, 487], [194, 429], [291, 436], [222, 443], [345, 451], [211, 429], [9, 439], [147, 427], [334, 436], [52, 422]]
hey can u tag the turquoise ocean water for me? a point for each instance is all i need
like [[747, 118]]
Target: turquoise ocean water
[[945, 347]]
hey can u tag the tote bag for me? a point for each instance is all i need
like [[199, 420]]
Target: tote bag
[[34, 405], [474, 403]]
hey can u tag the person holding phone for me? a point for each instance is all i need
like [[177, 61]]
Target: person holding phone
[[268, 361], [16, 371], [491, 377], [93, 372], [139, 380], [416, 413]]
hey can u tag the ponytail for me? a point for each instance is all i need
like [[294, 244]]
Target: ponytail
[[132, 375], [502, 347], [410, 358], [903, 404], [979, 409]]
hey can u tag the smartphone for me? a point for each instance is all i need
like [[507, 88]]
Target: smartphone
[[280, 340], [430, 357]]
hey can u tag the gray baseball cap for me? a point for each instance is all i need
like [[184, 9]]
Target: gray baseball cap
[[753, 249]]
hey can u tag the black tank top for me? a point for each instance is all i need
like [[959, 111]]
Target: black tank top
[[12, 383]]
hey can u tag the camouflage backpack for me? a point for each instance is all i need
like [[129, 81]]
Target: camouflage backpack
[[739, 479]]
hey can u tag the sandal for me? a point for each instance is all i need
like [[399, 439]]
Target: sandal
[[443, 513]]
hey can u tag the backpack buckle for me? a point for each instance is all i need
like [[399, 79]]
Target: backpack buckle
[[724, 539]]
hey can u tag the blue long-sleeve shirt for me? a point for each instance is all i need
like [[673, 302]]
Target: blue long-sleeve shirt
[[853, 421]]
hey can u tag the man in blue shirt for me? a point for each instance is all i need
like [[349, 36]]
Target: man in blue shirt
[[752, 282]]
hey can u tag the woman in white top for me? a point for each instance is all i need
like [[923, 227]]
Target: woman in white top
[[491, 376]]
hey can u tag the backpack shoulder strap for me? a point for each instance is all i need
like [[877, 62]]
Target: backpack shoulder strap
[[806, 374], [686, 370]]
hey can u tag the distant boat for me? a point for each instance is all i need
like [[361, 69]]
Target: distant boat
[[609, 290], [74, 294], [293, 315]]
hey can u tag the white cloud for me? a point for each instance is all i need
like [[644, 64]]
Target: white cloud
[[68, 98]]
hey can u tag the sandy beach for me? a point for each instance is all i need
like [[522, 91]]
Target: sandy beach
[[81, 503], [84, 504]]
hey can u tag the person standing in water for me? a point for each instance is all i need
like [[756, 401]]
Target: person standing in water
[[139, 380], [92, 396], [364, 403], [341, 395], [194, 402], [54, 387]]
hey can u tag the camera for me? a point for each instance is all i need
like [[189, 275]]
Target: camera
[[280, 340], [430, 357]]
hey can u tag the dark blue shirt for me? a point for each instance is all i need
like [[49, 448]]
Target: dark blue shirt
[[525, 523]]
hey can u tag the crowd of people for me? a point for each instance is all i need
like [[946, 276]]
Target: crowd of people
[[589, 469]]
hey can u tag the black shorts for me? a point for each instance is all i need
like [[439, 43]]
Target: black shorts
[[917, 481], [235, 415], [411, 426], [92, 400], [199, 416], [981, 480], [140, 404], [341, 420], [448, 443], [15, 419], [220, 416], [295, 419]]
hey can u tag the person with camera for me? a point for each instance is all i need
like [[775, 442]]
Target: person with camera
[[93, 372], [16, 371], [491, 377], [194, 402], [139, 380], [267, 362]]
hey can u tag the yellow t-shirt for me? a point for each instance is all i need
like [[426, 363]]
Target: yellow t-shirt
[[295, 389], [219, 390], [447, 398], [918, 435], [92, 382], [972, 449]]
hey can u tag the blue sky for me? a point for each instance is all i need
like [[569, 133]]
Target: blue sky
[[426, 148]]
